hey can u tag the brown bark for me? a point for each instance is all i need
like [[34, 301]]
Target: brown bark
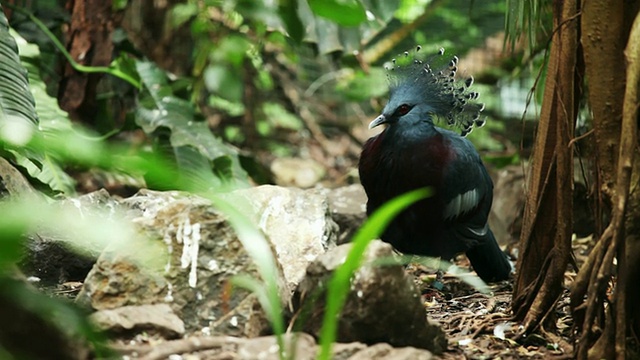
[[547, 225], [148, 26], [603, 38], [629, 313], [88, 39], [605, 33]]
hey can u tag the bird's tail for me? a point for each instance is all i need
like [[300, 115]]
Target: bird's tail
[[489, 261]]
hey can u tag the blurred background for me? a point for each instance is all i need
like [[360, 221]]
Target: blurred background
[[286, 88]]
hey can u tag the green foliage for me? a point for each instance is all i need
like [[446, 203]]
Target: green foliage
[[115, 69], [197, 151], [524, 17], [360, 86], [343, 12], [410, 10], [53, 121], [19, 114]]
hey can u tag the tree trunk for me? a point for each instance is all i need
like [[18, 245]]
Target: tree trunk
[[613, 96], [545, 241]]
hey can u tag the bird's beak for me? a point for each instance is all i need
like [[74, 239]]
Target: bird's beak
[[377, 121]]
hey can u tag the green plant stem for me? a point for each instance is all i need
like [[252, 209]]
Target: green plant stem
[[75, 65], [340, 282]]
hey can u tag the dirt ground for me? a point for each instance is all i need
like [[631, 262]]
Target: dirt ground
[[479, 325]]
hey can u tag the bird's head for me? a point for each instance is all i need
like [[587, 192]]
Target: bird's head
[[424, 88]]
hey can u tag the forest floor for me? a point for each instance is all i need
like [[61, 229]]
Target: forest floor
[[480, 326]]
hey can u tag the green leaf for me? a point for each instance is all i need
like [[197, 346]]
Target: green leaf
[[343, 12], [195, 169], [125, 64], [181, 13], [160, 108], [288, 10], [53, 123], [19, 90], [359, 86], [220, 79], [280, 117], [409, 10], [17, 106]]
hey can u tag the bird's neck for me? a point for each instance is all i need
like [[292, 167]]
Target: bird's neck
[[410, 133]]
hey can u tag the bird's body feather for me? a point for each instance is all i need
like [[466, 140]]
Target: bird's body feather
[[413, 153]]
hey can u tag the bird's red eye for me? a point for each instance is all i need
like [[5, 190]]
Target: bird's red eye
[[403, 109]]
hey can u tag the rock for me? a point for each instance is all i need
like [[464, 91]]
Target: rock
[[348, 206], [191, 258], [301, 173], [200, 254], [48, 256], [12, 182], [157, 318], [344, 351], [298, 346], [386, 352], [266, 348], [383, 304], [506, 214], [297, 222]]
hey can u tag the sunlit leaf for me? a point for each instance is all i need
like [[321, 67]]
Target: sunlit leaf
[[343, 12]]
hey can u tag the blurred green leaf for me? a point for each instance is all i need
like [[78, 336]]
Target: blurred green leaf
[[18, 95], [160, 108], [343, 12], [222, 81], [181, 13], [288, 10], [410, 10], [359, 86], [231, 50], [119, 5], [279, 116], [126, 64], [16, 102]]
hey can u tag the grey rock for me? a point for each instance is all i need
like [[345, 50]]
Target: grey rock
[[297, 222], [344, 351], [505, 218], [48, 255], [348, 207], [12, 182], [298, 346], [158, 318], [197, 255], [301, 173], [382, 305], [387, 352], [266, 348]]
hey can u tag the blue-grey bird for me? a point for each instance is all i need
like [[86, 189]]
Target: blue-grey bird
[[413, 153]]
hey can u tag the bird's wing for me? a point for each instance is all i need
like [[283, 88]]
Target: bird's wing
[[467, 188]]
